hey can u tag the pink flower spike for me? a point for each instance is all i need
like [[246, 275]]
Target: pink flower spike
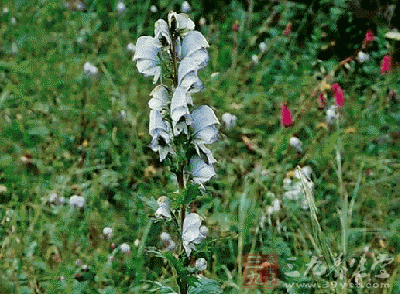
[[339, 95], [286, 116], [386, 64], [369, 37]]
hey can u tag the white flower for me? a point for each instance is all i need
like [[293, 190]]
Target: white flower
[[270, 210], [165, 237], [276, 205], [229, 120], [201, 264], [306, 170], [161, 133], [193, 42], [124, 248], [331, 114], [89, 68], [296, 144], [108, 232], [362, 57], [153, 8], [202, 21], [53, 197], [204, 125], [181, 22], [263, 47], [160, 98], [136, 243], [131, 47], [14, 48], [77, 201], [193, 62], [185, 8], [200, 171], [191, 82], [179, 109], [13, 20], [121, 7], [161, 33], [5, 9], [147, 58], [164, 207], [80, 6], [254, 58], [193, 232], [214, 75]]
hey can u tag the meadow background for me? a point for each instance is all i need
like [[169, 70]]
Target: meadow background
[[66, 132]]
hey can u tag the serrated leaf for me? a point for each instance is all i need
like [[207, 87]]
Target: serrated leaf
[[205, 286]]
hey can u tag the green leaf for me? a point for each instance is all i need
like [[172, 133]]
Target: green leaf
[[188, 195], [205, 286], [331, 144]]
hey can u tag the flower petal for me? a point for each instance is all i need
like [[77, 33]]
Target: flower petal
[[161, 32], [179, 104], [160, 98], [146, 48], [200, 171], [192, 42]]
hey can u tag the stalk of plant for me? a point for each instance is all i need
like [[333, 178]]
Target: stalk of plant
[[179, 132]]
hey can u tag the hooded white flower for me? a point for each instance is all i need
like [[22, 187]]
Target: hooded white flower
[[179, 109], [276, 205], [181, 22], [193, 42], [108, 232], [362, 57], [160, 98], [331, 114], [121, 7], [200, 171], [131, 47], [193, 232], [229, 120], [191, 82], [185, 8], [194, 62], [263, 47], [204, 125], [161, 33], [146, 55], [201, 264], [153, 8], [296, 144], [165, 237], [53, 197], [125, 248], [89, 68], [161, 133], [164, 207], [306, 170], [77, 201]]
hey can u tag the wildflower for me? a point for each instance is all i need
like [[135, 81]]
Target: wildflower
[[321, 101], [339, 95], [160, 99], [121, 7], [288, 28], [153, 8], [369, 37], [296, 144], [193, 232], [80, 6], [136, 243], [124, 248], [200, 171], [180, 110], [110, 258], [13, 20], [166, 238], [276, 205], [131, 47], [286, 116], [306, 170], [201, 264], [108, 232], [254, 58], [14, 48], [235, 26], [164, 207], [202, 21], [77, 201], [229, 120], [89, 68], [362, 57], [262, 47], [214, 75], [53, 197], [161, 133], [331, 114], [180, 22], [78, 262], [185, 8], [204, 125], [386, 64], [146, 55], [5, 9]]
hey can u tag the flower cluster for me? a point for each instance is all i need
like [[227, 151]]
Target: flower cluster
[[179, 52], [294, 188]]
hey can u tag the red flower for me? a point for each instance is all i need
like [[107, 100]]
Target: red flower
[[369, 37], [386, 64], [235, 26], [321, 101], [286, 116], [339, 95], [288, 28]]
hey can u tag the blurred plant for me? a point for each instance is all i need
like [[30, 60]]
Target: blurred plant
[[179, 134]]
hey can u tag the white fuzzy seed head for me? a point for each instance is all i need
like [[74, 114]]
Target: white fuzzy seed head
[[296, 143], [153, 8], [124, 248]]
